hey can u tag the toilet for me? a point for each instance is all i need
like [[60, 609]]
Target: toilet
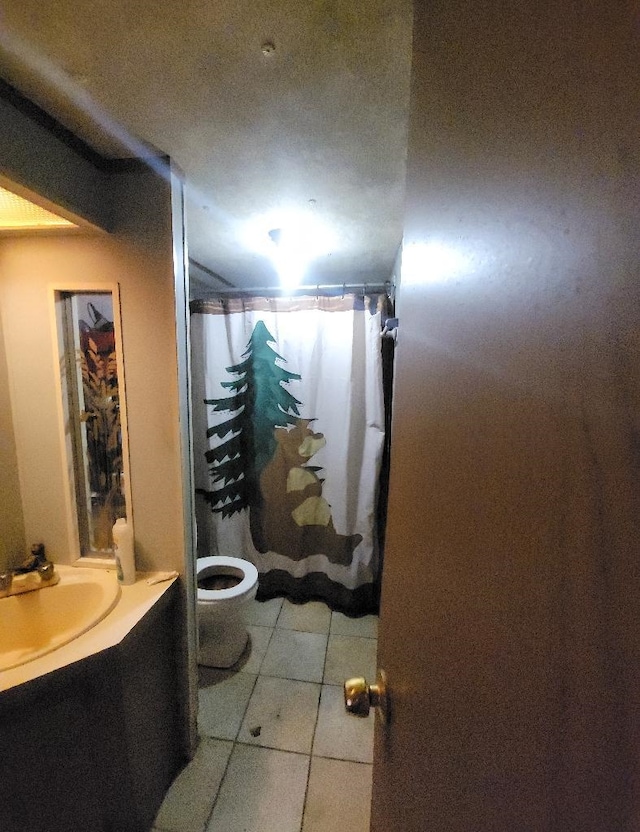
[[224, 586]]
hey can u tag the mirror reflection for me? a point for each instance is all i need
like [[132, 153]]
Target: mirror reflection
[[91, 393]]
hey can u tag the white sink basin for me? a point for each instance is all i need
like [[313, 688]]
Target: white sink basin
[[35, 623]]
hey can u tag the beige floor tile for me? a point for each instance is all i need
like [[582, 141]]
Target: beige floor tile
[[350, 656], [365, 627], [338, 796], [263, 613], [312, 617], [222, 701], [259, 638], [263, 791], [294, 655], [281, 714], [339, 734], [188, 803]]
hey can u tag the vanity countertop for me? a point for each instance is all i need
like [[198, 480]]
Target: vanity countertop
[[134, 602]]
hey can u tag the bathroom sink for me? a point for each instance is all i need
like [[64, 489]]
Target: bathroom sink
[[35, 623]]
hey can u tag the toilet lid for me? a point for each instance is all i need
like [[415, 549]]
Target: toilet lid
[[238, 567]]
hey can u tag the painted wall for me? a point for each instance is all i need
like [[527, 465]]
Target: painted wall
[[12, 541], [139, 257], [514, 518]]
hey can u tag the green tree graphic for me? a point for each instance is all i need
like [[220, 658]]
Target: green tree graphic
[[259, 403]]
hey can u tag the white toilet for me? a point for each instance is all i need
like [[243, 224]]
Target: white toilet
[[225, 585]]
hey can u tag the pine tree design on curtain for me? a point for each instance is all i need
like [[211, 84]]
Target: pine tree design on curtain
[[263, 466], [259, 404]]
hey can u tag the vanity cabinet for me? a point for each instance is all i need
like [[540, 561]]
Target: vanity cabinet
[[93, 746]]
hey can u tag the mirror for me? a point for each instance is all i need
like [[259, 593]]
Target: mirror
[[91, 383]]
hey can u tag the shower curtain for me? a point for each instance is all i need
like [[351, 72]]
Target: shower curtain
[[289, 424]]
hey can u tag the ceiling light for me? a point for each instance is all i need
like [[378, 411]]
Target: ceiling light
[[290, 255], [20, 214], [292, 239]]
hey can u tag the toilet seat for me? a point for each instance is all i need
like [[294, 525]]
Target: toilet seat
[[240, 568]]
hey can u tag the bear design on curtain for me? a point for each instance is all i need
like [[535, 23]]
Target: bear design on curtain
[[296, 518]]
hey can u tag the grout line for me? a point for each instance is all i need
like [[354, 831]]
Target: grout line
[[343, 760], [315, 727], [233, 747], [273, 629], [363, 638], [324, 663], [306, 794], [273, 748], [222, 779], [306, 790], [246, 707], [291, 679]]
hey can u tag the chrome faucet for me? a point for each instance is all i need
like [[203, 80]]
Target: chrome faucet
[[36, 562]]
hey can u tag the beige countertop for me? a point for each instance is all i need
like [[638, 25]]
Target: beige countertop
[[134, 602]]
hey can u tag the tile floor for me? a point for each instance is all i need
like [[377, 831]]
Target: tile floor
[[277, 751]]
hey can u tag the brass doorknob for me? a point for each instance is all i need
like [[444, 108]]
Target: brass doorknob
[[360, 696]]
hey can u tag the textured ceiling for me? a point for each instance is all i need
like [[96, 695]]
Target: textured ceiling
[[273, 110]]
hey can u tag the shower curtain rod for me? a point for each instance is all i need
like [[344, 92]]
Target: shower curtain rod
[[388, 286]]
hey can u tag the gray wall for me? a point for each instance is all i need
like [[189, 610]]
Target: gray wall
[[38, 160]]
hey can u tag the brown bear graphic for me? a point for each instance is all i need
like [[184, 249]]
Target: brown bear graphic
[[294, 516]]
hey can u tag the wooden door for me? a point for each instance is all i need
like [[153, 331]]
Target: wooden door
[[511, 595]]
